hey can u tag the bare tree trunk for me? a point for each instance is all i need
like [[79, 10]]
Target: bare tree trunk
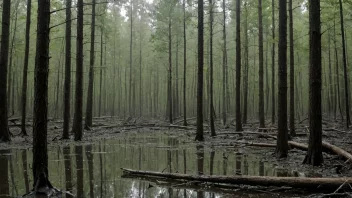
[[224, 62], [245, 100], [211, 19], [25, 69], [337, 74], [348, 121], [89, 108], [273, 90], [261, 68], [199, 136], [314, 155], [282, 136], [67, 84], [131, 53], [101, 70], [292, 74], [184, 65], [238, 67], [40, 150], [169, 96], [77, 122], [5, 35]]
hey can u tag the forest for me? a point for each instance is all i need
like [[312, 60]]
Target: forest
[[175, 98]]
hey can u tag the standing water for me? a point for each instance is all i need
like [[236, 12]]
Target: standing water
[[93, 170]]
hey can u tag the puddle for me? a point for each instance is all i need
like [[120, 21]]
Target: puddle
[[94, 170]]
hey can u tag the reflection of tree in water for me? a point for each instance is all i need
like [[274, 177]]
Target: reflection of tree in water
[[4, 182], [68, 166], [89, 155], [239, 164], [25, 169], [200, 165], [79, 167]]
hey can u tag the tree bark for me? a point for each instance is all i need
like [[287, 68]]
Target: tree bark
[[199, 136], [344, 58], [292, 74], [184, 65], [273, 90], [211, 111], [314, 155], [246, 69], [89, 108], [282, 136], [224, 69], [5, 35], [77, 123], [238, 67], [261, 68], [40, 116]]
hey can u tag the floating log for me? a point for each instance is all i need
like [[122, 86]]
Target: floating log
[[296, 182]]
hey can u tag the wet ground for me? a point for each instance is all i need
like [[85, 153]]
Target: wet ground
[[92, 168]]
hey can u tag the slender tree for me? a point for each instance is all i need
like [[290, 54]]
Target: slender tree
[[211, 20], [282, 135], [345, 69], [67, 84], [199, 136], [273, 103], [4, 55], [261, 67], [292, 73], [238, 67], [169, 89], [77, 122], [184, 65], [89, 107], [224, 69], [314, 155], [40, 117]]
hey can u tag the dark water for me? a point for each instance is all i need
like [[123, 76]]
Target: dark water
[[94, 170]]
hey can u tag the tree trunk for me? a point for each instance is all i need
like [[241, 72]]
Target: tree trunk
[[224, 69], [292, 74], [345, 69], [184, 65], [77, 122], [211, 111], [314, 155], [199, 136], [89, 108], [4, 56], [337, 74], [245, 98], [273, 90], [169, 96], [282, 136], [261, 68], [4, 173], [67, 84], [131, 53], [40, 116], [238, 67], [101, 71]]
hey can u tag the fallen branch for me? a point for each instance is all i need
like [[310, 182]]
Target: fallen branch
[[337, 150], [296, 182]]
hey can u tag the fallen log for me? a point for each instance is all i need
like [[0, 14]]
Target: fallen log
[[347, 156], [296, 182]]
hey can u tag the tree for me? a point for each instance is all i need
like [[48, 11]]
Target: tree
[[211, 20], [292, 74], [89, 108], [67, 88], [261, 67], [199, 136], [282, 136], [314, 155], [77, 122], [238, 67], [25, 69], [273, 64], [40, 117], [184, 65], [4, 55], [224, 68], [345, 72]]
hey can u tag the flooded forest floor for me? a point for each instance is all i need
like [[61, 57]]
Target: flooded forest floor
[[235, 154]]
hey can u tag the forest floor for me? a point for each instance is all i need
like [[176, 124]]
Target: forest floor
[[227, 140]]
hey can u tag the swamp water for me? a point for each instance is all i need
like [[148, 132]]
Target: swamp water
[[94, 170]]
